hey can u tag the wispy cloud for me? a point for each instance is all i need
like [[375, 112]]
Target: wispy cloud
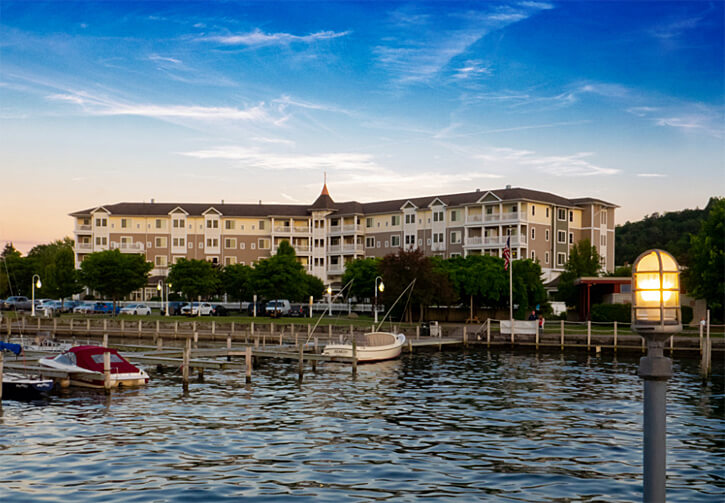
[[164, 59], [576, 164], [471, 69], [260, 38], [685, 117], [651, 175], [420, 49], [675, 28]]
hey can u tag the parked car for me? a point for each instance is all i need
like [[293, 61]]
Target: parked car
[[138, 309], [174, 308], [193, 309], [299, 311], [260, 308], [219, 310], [17, 303], [278, 307], [104, 308], [84, 308]]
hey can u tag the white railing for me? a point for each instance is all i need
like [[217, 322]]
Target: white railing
[[335, 269], [493, 217], [474, 241], [282, 228], [83, 227], [474, 219], [301, 230], [352, 248], [335, 229], [302, 249], [351, 228], [334, 249], [84, 246]]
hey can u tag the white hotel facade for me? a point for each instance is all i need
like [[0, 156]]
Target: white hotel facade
[[327, 235]]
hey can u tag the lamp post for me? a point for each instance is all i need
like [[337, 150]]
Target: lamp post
[[380, 287], [168, 287], [160, 288], [656, 316], [38, 284], [329, 298]]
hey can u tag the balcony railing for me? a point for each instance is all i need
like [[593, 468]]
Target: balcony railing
[[302, 249], [496, 241], [282, 228], [84, 246], [335, 269], [474, 219], [83, 228], [301, 230]]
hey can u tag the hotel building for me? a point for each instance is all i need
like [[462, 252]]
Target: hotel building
[[327, 235]]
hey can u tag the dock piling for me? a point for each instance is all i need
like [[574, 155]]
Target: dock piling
[[185, 363], [354, 357], [107, 372], [248, 363]]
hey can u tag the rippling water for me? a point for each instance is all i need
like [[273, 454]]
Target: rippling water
[[475, 425]]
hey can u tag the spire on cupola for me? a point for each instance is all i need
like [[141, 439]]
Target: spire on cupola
[[324, 202]]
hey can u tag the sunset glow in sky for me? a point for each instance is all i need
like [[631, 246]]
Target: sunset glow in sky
[[103, 102]]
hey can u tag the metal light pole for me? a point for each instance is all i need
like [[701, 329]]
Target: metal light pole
[[656, 316], [254, 306], [329, 299], [380, 287], [160, 288], [38, 284], [166, 311]]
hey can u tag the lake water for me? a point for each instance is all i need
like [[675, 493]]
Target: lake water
[[474, 425]]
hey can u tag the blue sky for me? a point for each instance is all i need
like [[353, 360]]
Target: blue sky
[[102, 102]]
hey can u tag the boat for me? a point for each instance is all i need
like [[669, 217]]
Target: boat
[[369, 347], [20, 387], [84, 365]]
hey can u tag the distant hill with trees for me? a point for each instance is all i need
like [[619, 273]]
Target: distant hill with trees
[[670, 232]]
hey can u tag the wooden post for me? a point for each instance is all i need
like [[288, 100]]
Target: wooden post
[[159, 343], [248, 363], [232, 329], [465, 335], [271, 329], [88, 325], [10, 326], [354, 357], [672, 344], [315, 345], [251, 329], [71, 326], [280, 337], [643, 345], [256, 342], [264, 339], [213, 327], [140, 327], [229, 346], [706, 366], [410, 346], [185, 364], [107, 372], [123, 323], [352, 333], [176, 330], [296, 343], [196, 340], [38, 329], [701, 326], [55, 326], [300, 363], [105, 340], [105, 326], [158, 327], [314, 360], [417, 332], [615, 336], [329, 333], [488, 332], [562, 335], [589, 334], [537, 335]]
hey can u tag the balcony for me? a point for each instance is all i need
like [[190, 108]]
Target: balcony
[[127, 247], [83, 228], [345, 229], [474, 219], [345, 248], [335, 269], [285, 229], [303, 249], [84, 246], [494, 241], [301, 230]]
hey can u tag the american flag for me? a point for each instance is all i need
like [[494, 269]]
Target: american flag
[[507, 254]]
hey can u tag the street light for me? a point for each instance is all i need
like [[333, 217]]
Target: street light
[[329, 298], [380, 287], [656, 316], [38, 284], [160, 288]]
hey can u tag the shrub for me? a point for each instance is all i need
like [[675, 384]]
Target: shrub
[[621, 313], [686, 315]]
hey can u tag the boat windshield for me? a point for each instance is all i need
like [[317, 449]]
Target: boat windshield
[[68, 358], [99, 359]]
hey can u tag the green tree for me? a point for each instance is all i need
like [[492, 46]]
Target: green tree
[[528, 289], [114, 274], [314, 287], [362, 272], [584, 260], [15, 273], [55, 264], [706, 275], [194, 278], [237, 282], [280, 276]]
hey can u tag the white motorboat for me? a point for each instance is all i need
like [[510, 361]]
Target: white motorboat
[[84, 365], [369, 347]]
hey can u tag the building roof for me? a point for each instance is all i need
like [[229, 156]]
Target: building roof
[[325, 202]]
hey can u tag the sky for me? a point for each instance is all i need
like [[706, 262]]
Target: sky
[[103, 102]]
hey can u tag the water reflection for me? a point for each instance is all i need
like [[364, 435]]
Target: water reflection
[[497, 426]]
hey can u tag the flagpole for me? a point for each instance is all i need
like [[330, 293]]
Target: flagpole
[[511, 286]]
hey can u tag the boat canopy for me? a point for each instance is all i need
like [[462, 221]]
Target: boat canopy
[[9, 346], [91, 358]]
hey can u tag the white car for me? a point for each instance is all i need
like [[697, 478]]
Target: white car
[[141, 309], [193, 309], [85, 308]]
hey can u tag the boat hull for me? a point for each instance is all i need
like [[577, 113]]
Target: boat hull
[[25, 388], [367, 353]]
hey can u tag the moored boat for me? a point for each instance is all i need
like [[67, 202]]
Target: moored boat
[[84, 365], [369, 347], [20, 387]]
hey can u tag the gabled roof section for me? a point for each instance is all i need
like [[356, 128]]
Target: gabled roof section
[[489, 197], [437, 202], [179, 209], [324, 201], [100, 209], [408, 205], [212, 209]]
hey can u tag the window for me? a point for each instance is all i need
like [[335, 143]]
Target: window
[[409, 239], [438, 216], [124, 223], [229, 224], [533, 255], [161, 242], [571, 238], [455, 237], [437, 237], [603, 217], [603, 240], [394, 240], [571, 216], [547, 212], [212, 224], [201, 245], [489, 210], [212, 243], [178, 223], [230, 243], [230, 260], [369, 242], [533, 210], [454, 215], [533, 233], [561, 237], [395, 220], [160, 261], [261, 225], [242, 245], [409, 219], [263, 244], [560, 259], [377, 244], [101, 222], [546, 257], [253, 245], [369, 222], [178, 242], [514, 208], [191, 245], [101, 241], [159, 223], [561, 214], [386, 244]]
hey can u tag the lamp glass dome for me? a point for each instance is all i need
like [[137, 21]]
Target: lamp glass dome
[[381, 287], [656, 293], [38, 284]]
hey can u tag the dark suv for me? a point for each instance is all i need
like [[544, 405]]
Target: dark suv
[[174, 308]]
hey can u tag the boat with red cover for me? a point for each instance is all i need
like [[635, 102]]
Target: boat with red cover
[[84, 365]]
